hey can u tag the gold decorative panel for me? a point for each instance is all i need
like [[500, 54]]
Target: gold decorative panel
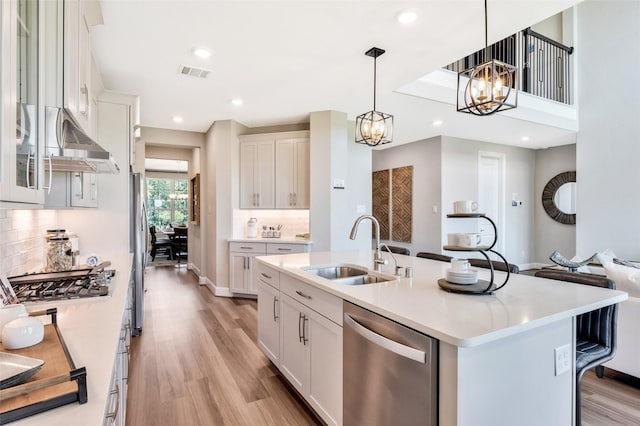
[[401, 203], [381, 199]]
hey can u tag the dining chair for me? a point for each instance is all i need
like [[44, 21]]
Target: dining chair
[[160, 244], [180, 243], [596, 331]]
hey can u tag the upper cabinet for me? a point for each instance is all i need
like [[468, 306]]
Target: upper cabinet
[[274, 171], [79, 18], [292, 173], [21, 110]]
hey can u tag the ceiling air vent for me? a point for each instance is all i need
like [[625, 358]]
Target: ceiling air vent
[[193, 71]]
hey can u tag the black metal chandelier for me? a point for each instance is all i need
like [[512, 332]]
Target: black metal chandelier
[[489, 87], [374, 127]]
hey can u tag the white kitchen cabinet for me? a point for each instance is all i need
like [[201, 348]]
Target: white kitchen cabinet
[[292, 173], [79, 17], [21, 110], [256, 173], [115, 410], [269, 321], [241, 262], [311, 357], [72, 189], [274, 170]]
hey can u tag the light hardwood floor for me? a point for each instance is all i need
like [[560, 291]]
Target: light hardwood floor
[[197, 363]]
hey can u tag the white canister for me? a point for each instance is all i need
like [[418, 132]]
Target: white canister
[[252, 228]]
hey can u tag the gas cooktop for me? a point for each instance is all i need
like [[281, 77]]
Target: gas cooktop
[[75, 284]]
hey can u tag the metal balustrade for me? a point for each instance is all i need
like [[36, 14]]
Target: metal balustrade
[[544, 65]]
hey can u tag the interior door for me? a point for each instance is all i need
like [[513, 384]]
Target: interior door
[[491, 169]]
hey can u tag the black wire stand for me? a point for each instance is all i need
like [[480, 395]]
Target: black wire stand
[[482, 287]]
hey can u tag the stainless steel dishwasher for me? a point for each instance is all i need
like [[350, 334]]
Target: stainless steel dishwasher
[[390, 372]]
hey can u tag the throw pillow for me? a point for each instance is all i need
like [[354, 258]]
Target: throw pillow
[[626, 278]]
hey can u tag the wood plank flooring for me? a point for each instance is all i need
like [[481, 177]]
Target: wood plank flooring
[[197, 363]]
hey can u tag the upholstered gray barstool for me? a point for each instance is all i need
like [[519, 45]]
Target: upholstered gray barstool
[[434, 256], [595, 330]]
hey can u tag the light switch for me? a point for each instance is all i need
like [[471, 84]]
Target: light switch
[[435, 208], [361, 208]]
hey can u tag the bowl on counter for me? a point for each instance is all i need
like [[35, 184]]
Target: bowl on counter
[[22, 333], [9, 313]]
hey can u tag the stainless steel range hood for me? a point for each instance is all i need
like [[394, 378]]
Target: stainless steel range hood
[[70, 149]]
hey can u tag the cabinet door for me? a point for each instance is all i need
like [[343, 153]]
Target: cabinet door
[[294, 357], [238, 272], [248, 172], [84, 189], [269, 321], [71, 50], [265, 175], [284, 174], [325, 374], [301, 179], [21, 171]]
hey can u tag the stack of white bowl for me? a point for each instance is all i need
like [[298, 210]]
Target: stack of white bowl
[[468, 276]]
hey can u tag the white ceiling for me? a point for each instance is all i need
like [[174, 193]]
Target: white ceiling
[[288, 58]]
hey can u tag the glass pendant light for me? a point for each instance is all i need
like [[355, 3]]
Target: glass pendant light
[[489, 87], [374, 127]]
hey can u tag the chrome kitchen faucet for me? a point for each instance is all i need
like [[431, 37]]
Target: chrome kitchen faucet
[[378, 260]]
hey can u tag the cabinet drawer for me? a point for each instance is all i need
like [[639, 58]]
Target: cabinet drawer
[[248, 247], [267, 275], [320, 301], [274, 248]]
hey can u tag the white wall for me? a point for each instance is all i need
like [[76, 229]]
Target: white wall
[[460, 182], [425, 157], [549, 234], [608, 147]]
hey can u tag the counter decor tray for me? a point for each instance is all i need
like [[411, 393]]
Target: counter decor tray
[[57, 383]]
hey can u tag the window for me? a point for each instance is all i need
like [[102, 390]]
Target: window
[[167, 201]]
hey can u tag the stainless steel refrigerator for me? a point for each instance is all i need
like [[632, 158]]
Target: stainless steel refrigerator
[[139, 247]]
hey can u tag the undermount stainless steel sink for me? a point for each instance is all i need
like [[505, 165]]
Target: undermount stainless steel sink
[[347, 274], [363, 279], [336, 272]]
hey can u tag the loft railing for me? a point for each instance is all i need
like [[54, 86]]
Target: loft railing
[[544, 65]]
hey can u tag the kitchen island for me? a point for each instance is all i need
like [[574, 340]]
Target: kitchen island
[[92, 330], [496, 362]]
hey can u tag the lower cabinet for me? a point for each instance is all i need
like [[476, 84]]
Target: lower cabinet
[[309, 350], [116, 407], [241, 262]]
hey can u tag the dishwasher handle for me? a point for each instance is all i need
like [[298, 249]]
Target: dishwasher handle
[[388, 344]]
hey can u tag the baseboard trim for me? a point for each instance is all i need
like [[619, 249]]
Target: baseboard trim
[[217, 291]]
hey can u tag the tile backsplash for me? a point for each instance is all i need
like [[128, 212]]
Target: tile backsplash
[[22, 239], [293, 221]]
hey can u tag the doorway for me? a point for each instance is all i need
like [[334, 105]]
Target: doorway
[[491, 176]]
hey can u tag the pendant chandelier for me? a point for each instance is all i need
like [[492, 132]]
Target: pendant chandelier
[[374, 127], [489, 87]]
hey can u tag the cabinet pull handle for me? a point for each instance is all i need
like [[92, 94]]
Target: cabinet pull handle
[[114, 413], [265, 275], [48, 188], [246, 248], [29, 186], [300, 337], [258, 205], [85, 92], [275, 317], [284, 249], [303, 295], [305, 339], [295, 199], [290, 199]]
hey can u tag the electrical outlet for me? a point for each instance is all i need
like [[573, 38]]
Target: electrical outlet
[[563, 359]]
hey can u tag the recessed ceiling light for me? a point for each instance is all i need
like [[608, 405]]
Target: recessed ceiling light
[[437, 123], [524, 138], [236, 101], [406, 16], [177, 119], [201, 52]]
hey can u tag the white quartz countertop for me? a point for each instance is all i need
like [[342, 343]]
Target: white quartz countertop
[[281, 240], [91, 330], [462, 320]]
